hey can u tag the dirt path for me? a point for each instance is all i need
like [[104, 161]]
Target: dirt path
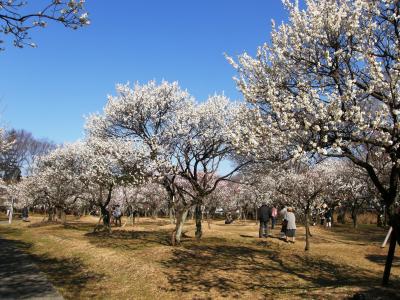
[[20, 278]]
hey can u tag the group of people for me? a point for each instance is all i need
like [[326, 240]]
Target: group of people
[[288, 230], [24, 213], [325, 216]]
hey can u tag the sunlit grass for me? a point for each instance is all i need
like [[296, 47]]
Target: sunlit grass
[[229, 262]]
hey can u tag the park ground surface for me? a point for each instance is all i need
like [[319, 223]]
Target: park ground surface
[[229, 262]]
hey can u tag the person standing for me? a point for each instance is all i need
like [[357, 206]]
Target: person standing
[[328, 218], [291, 225], [264, 214], [117, 214], [283, 213], [274, 213], [25, 213], [322, 216]]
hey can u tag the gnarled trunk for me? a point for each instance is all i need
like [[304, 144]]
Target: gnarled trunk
[[354, 217], [172, 219], [341, 218], [394, 239], [63, 217], [177, 233], [50, 214], [105, 215], [307, 225], [199, 216]]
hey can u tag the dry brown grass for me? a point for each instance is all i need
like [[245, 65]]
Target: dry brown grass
[[229, 262]]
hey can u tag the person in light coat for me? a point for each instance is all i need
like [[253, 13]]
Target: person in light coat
[[291, 225], [283, 213]]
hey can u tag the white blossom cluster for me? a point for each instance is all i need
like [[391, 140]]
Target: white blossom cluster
[[328, 83], [180, 137]]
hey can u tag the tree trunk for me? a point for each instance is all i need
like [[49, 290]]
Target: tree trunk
[[394, 238], [379, 221], [171, 215], [342, 216], [51, 214], [389, 258], [354, 217], [307, 231], [63, 217], [384, 216], [132, 216], [198, 215], [177, 233], [106, 216]]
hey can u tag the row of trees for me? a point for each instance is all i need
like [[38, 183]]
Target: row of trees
[[151, 133], [320, 121], [154, 149]]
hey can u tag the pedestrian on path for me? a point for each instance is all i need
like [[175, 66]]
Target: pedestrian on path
[[264, 214], [274, 214], [25, 214], [283, 214], [291, 225]]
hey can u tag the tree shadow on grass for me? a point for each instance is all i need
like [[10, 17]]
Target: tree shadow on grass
[[80, 226], [234, 224], [155, 222], [10, 230], [230, 270], [130, 240], [44, 224], [363, 234], [73, 225], [248, 236], [381, 259], [21, 277], [69, 274]]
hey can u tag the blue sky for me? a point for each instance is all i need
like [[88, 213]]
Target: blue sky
[[48, 90]]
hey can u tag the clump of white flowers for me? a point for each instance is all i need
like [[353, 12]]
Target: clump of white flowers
[[329, 82]]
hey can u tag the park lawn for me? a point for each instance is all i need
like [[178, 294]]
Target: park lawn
[[229, 262]]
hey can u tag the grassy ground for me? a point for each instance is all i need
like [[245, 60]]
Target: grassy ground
[[229, 262]]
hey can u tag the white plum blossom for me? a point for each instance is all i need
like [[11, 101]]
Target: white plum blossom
[[329, 82], [184, 141], [18, 18]]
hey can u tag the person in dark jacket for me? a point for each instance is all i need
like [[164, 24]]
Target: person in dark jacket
[[24, 214], [264, 214], [328, 217]]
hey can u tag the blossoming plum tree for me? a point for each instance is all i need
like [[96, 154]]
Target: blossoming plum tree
[[184, 141], [305, 187], [146, 115], [328, 83]]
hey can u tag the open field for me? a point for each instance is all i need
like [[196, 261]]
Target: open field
[[229, 262]]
